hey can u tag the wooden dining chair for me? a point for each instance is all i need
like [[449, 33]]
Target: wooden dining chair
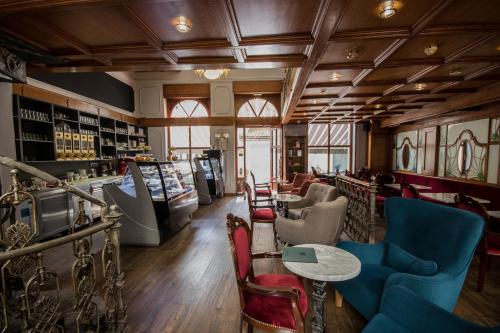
[[408, 191], [261, 189], [275, 303], [261, 211], [490, 243]]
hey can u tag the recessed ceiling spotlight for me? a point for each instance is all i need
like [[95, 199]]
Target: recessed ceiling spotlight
[[182, 24], [388, 8], [335, 76], [353, 53], [431, 49], [314, 101], [322, 91], [455, 71], [299, 121], [420, 86], [498, 48], [378, 106]]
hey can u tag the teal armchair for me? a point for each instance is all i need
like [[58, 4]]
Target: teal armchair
[[403, 311], [443, 235]]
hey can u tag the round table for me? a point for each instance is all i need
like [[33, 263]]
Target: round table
[[333, 264], [285, 198]]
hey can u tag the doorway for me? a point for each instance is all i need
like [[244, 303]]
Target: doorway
[[258, 150]]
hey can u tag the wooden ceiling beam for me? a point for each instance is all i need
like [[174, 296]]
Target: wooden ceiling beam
[[224, 9], [326, 22], [70, 40], [151, 37], [484, 96]]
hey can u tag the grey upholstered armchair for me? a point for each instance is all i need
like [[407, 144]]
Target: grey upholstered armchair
[[316, 193], [322, 225]]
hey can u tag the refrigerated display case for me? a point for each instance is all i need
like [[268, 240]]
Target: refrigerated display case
[[208, 178], [219, 155], [155, 203], [185, 172]]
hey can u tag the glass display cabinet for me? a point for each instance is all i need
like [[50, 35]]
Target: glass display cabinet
[[209, 179], [155, 199]]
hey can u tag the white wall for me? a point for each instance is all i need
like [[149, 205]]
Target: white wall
[[8, 145]]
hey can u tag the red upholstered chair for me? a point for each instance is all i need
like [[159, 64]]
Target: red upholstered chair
[[305, 186], [298, 180], [261, 189], [261, 211], [408, 191], [271, 302], [490, 244]]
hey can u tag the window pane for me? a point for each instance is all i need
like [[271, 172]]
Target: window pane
[[318, 158], [240, 142], [317, 135], [241, 163], [339, 134], [200, 111], [200, 136], [339, 159], [178, 112], [246, 111], [269, 111], [179, 136]]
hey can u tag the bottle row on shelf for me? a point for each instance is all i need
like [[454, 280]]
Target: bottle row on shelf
[[89, 120], [33, 115], [35, 136]]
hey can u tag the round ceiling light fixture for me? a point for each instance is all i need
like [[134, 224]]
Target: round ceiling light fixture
[[212, 74], [431, 49], [335, 76], [455, 71], [388, 8], [182, 24], [420, 86]]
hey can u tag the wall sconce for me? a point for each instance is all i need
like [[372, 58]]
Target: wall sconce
[[221, 138]]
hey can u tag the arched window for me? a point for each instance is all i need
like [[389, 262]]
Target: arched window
[[189, 109], [257, 107]]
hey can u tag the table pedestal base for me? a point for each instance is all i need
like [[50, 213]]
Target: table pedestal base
[[319, 296]]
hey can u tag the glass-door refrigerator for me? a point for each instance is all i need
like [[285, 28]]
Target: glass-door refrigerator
[[209, 179], [154, 201]]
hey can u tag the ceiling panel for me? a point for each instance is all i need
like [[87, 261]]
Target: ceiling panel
[[345, 75], [366, 50], [275, 17], [471, 11], [394, 73], [274, 49], [159, 16]]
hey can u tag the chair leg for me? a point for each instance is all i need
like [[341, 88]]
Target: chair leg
[[483, 263], [338, 299], [275, 236], [245, 326]]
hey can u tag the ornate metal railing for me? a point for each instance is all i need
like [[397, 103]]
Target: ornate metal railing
[[31, 295], [360, 217]]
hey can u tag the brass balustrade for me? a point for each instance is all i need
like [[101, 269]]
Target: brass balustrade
[[360, 217], [30, 295]]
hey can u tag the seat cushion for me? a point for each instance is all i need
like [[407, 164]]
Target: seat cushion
[[264, 214], [263, 193], [382, 323], [405, 262], [364, 292], [275, 310], [493, 242], [379, 199]]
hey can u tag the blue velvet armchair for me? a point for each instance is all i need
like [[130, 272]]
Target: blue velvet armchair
[[428, 231], [403, 311]]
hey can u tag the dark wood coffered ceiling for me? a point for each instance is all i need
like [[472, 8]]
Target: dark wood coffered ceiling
[[316, 35]]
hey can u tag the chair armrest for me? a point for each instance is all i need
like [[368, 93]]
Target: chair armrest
[[262, 255], [286, 292], [435, 288], [411, 311], [285, 187], [305, 212], [366, 253]]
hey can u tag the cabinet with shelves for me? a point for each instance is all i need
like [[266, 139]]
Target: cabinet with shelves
[[49, 132], [295, 156]]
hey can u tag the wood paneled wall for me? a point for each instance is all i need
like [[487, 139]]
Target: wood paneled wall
[[379, 147]]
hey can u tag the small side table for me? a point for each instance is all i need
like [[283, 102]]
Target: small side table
[[285, 199], [333, 264]]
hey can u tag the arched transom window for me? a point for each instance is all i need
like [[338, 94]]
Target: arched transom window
[[189, 109], [257, 107]]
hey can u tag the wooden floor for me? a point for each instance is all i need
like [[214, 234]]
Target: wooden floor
[[188, 285]]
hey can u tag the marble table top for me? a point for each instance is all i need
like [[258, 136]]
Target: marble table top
[[284, 197], [449, 198], [334, 264], [418, 187], [494, 213]]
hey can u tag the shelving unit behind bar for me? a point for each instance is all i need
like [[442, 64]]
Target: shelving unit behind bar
[[35, 123], [295, 155]]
